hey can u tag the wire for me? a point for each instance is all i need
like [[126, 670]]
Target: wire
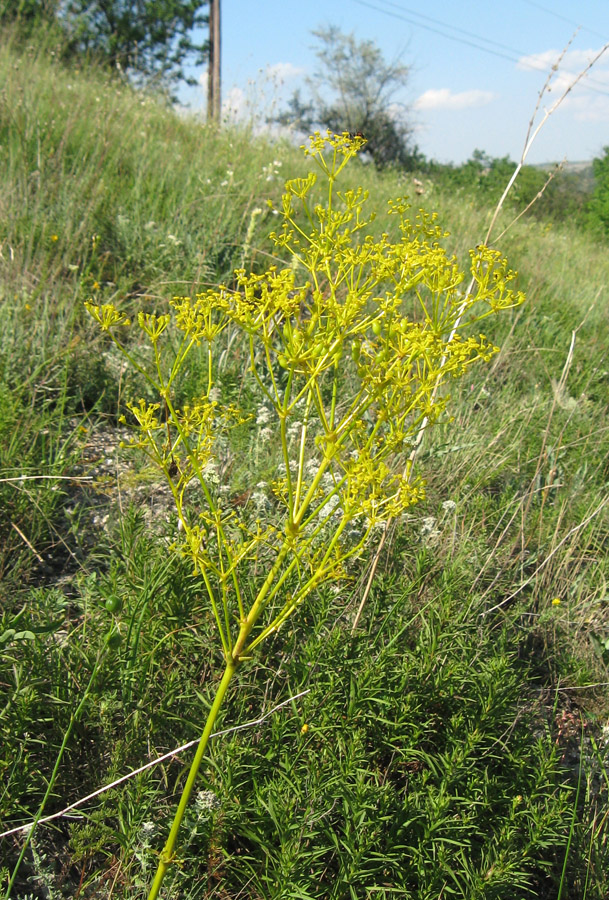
[[556, 15], [471, 40], [450, 37], [63, 812], [468, 34]]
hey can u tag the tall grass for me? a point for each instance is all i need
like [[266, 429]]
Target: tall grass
[[442, 756], [106, 193]]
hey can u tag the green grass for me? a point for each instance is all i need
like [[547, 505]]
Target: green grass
[[444, 750]]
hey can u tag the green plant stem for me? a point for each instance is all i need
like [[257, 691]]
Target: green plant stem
[[167, 855]]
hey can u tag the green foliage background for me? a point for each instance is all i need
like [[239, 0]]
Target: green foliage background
[[598, 205], [147, 42]]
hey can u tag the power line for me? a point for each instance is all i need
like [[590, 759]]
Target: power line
[[469, 34], [450, 37], [471, 40], [574, 24]]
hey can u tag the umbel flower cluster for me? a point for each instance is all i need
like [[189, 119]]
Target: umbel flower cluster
[[354, 340], [350, 347]]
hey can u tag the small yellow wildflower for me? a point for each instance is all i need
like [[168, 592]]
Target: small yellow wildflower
[[96, 285], [54, 237], [107, 315], [556, 601], [304, 728]]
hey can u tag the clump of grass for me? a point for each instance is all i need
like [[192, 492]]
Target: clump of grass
[[107, 192], [103, 191], [423, 769]]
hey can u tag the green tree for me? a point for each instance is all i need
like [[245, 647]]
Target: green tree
[[543, 193], [598, 205], [353, 91], [149, 40]]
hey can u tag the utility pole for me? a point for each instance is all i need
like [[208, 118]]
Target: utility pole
[[214, 102]]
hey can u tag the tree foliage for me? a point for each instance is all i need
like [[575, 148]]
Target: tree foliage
[[352, 91], [598, 205], [149, 39], [544, 192]]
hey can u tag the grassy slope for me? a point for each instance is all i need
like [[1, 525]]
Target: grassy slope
[[443, 743]]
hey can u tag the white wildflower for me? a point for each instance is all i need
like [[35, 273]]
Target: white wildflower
[[211, 472], [260, 501], [311, 467], [263, 415], [428, 525], [207, 800], [327, 481], [429, 532]]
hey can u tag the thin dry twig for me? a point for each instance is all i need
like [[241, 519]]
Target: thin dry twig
[[533, 130], [543, 564], [531, 135], [46, 477], [551, 176], [149, 765], [26, 541]]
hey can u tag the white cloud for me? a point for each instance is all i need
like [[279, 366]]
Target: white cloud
[[574, 60], [283, 71], [589, 107], [256, 103], [587, 100], [444, 98], [570, 67], [234, 105], [234, 102]]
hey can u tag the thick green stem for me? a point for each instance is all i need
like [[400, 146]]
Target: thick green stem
[[167, 855]]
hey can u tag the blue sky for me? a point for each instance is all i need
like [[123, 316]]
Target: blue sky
[[476, 68]]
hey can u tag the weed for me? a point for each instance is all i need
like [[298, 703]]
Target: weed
[[392, 787]]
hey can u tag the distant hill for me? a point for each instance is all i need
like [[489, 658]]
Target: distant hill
[[580, 170], [568, 166]]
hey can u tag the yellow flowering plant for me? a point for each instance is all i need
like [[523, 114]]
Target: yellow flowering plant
[[350, 345]]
